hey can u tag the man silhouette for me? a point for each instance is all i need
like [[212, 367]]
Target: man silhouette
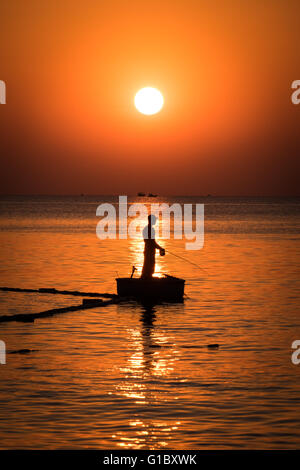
[[150, 247]]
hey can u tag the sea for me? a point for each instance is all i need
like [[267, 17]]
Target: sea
[[134, 376]]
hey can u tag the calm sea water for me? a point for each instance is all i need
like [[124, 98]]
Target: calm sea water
[[125, 376]]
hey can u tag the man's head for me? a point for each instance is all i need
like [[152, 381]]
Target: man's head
[[151, 219]]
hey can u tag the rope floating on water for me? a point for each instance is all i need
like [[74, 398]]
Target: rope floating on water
[[46, 290], [30, 317]]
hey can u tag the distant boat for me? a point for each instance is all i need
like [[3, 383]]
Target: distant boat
[[152, 195], [167, 288], [141, 194]]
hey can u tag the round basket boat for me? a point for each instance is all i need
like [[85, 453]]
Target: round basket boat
[[168, 288]]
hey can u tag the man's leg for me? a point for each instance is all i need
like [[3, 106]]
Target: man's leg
[[148, 267]]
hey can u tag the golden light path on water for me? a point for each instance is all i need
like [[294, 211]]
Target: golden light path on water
[[152, 358], [147, 361]]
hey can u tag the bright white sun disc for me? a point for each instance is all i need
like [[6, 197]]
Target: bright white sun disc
[[149, 100]]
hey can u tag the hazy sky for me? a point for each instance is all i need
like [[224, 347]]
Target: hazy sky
[[225, 69]]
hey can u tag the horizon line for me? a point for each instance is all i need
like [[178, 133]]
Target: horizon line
[[148, 197]]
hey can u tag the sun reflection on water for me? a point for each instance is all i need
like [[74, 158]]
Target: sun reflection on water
[[152, 356]]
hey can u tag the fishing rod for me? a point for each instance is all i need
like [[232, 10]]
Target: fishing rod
[[187, 260]]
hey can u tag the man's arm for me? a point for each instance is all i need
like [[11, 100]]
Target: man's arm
[[160, 248]]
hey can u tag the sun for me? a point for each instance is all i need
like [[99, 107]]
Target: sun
[[149, 101]]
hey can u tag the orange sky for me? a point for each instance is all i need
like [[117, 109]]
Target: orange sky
[[225, 69]]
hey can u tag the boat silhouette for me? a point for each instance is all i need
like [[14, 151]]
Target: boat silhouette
[[167, 288]]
